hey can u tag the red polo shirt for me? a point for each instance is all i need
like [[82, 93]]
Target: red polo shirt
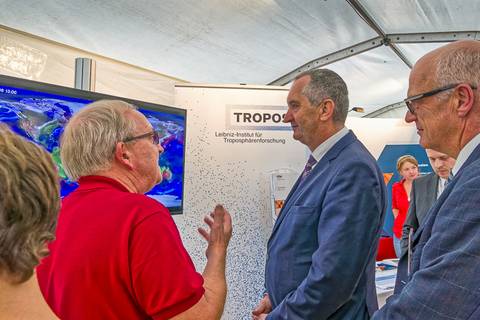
[[117, 255]]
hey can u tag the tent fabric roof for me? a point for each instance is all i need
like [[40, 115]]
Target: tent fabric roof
[[248, 41]]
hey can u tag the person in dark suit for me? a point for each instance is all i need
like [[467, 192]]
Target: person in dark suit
[[425, 191], [321, 253], [444, 103]]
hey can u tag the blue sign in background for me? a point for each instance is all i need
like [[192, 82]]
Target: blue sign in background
[[388, 164]]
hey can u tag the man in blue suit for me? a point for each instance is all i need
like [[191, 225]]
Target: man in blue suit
[[321, 254], [444, 103]]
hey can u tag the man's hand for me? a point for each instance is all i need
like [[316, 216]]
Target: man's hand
[[211, 304], [220, 223], [262, 309]]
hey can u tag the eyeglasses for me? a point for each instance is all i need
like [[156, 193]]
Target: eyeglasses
[[408, 101], [155, 134]]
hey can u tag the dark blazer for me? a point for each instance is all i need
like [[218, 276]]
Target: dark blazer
[[321, 254], [422, 197], [445, 280]]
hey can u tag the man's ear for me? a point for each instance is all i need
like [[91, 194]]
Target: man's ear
[[464, 99], [326, 109], [123, 155]]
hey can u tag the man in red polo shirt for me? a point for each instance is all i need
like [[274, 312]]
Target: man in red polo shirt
[[118, 253]]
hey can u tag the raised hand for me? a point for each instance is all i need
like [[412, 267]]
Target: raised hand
[[220, 224]]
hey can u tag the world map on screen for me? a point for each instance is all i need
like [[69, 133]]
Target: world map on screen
[[41, 117]]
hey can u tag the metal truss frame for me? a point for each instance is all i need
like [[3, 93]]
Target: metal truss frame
[[390, 40]]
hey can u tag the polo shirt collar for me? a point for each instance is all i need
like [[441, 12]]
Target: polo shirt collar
[[95, 182]]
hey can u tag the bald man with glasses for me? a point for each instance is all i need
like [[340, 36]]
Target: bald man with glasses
[[410, 101], [444, 103]]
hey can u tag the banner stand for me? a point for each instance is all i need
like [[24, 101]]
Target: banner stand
[[281, 182]]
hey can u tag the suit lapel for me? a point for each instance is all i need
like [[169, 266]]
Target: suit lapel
[[317, 170], [432, 189], [429, 216], [434, 210], [297, 191], [428, 192]]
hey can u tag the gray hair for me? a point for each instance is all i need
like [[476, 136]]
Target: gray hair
[[29, 204], [458, 65], [325, 83], [88, 143]]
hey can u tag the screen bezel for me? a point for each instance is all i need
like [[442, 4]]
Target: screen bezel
[[90, 95]]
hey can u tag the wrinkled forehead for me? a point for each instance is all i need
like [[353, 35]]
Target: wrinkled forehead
[[298, 85], [422, 77]]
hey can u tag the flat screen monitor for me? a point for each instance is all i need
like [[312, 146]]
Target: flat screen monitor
[[39, 112]]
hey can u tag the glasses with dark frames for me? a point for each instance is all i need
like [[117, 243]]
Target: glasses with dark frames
[[155, 134], [408, 101]]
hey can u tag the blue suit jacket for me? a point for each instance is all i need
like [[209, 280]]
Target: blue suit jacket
[[445, 280], [321, 254]]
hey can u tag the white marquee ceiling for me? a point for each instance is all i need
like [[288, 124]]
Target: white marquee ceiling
[[249, 41]]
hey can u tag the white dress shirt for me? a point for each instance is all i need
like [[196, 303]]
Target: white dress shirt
[[323, 148], [465, 153], [442, 184]]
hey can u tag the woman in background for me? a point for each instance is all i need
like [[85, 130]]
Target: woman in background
[[29, 204], [407, 167]]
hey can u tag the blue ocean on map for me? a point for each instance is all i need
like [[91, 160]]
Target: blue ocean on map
[[41, 117]]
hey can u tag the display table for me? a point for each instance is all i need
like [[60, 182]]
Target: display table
[[385, 274]]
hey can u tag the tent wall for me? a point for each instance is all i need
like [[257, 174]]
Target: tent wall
[[26, 56]]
